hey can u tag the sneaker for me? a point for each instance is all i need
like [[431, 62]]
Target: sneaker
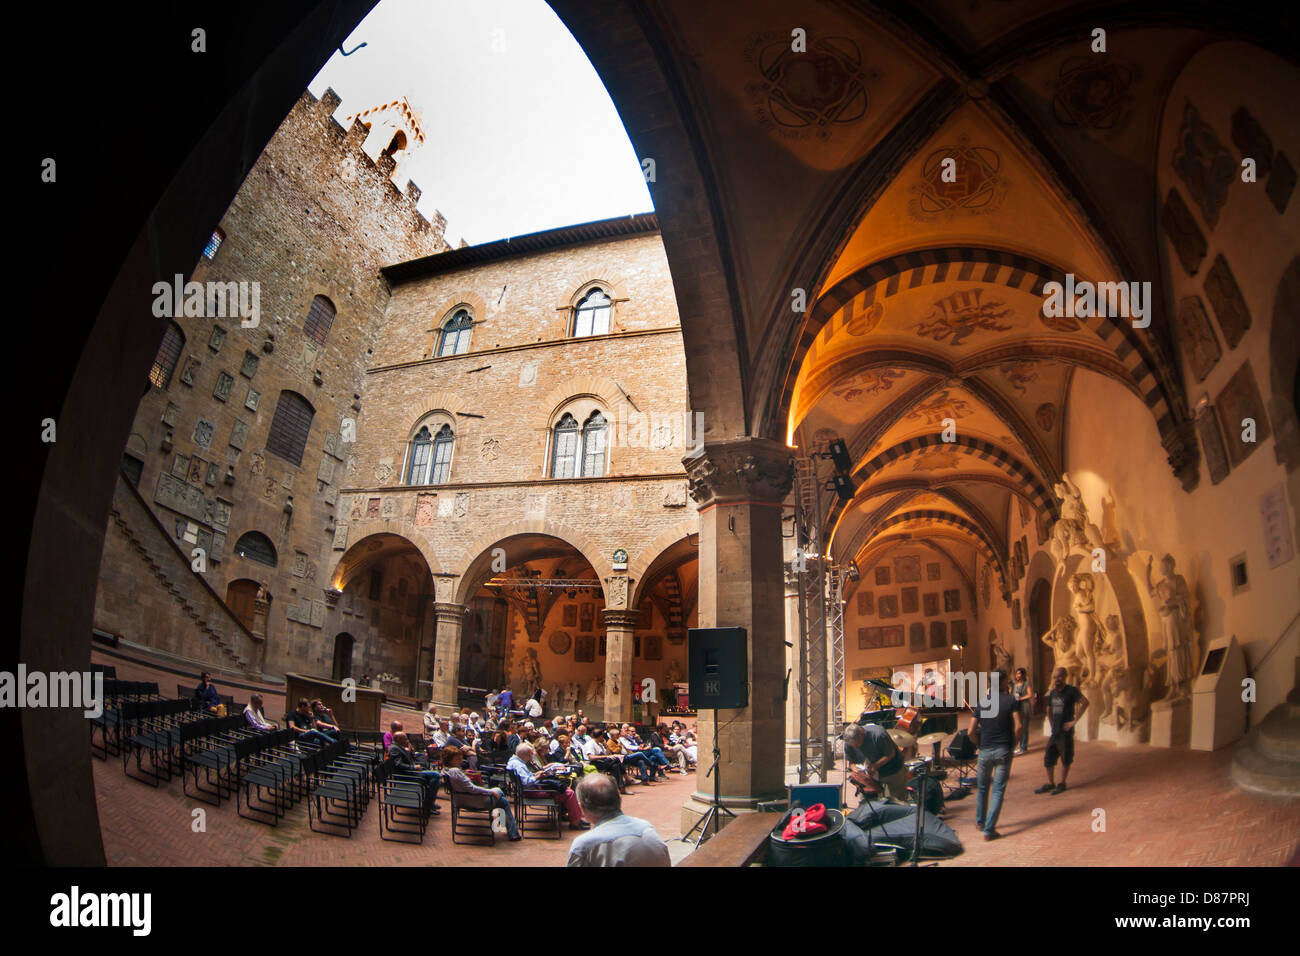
[[991, 835], [1046, 788], [1060, 788]]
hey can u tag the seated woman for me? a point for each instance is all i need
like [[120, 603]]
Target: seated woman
[[532, 776], [402, 754], [472, 794]]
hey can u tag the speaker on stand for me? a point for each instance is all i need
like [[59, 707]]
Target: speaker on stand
[[719, 679]]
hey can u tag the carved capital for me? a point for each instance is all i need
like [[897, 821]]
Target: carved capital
[[622, 619], [1181, 449], [332, 597], [616, 591], [740, 469], [448, 613]]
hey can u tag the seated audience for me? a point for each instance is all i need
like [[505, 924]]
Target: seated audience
[[431, 719], [324, 720], [206, 695], [533, 776], [476, 796], [402, 754], [303, 725], [617, 839], [631, 742], [394, 729]]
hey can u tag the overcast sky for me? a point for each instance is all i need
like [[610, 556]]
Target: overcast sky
[[520, 134]]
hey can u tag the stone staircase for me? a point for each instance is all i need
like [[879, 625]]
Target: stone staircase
[[1268, 759], [151, 545]]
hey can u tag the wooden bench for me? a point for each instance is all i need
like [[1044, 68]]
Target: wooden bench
[[741, 842]]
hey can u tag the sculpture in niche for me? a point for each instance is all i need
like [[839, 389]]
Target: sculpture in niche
[[596, 690], [1073, 529], [1174, 604], [1061, 640], [1112, 668], [532, 670], [675, 672], [1088, 626]]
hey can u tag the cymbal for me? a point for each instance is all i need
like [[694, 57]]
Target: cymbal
[[902, 738], [882, 684], [931, 739]]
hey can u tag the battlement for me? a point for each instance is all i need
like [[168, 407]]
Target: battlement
[[374, 143]]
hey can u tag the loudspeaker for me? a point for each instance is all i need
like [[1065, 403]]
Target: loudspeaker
[[719, 667], [961, 747]]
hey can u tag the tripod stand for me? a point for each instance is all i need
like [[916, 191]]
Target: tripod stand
[[716, 808]]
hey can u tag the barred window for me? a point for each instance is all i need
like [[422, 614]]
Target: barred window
[[319, 319], [169, 353], [564, 457], [455, 334], [256, 547], [214, 243], [593, 446], [290, 427], [592, 314]]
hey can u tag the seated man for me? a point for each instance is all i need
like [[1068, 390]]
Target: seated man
[[594, 753], [324, 719], [303, 725], [475, 796], [438, 736], [673, 745], [206, 695], [402, 754], [630, 757], [617, 840], [654, 755], [532, 776], [254, 717]]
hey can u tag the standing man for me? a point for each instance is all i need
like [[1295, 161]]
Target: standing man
[[997, 726], [1065, 705], [871, 747], [616, 839]]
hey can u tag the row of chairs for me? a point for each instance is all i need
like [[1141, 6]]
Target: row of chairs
[[109, 723]]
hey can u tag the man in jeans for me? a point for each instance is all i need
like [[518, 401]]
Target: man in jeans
[[997, 726]]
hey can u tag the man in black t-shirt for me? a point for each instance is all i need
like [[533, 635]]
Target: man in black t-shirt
[[1065, 705], [998, 726]]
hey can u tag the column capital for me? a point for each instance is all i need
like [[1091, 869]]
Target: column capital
[[1183, 453], [448, 613], [740, 469], [626, 618]]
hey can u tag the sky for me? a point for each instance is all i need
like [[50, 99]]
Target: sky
[[520, 134]]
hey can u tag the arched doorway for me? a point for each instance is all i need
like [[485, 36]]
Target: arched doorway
[[483, 648], [1040, 622], [242, 599], [342, 656]]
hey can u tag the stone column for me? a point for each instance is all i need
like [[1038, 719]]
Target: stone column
[[619, 627], [450, 619], [739, 486]]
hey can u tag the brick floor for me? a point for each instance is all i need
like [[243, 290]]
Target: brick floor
[[1162, 807]]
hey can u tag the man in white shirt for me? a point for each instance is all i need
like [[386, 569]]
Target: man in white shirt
[[439, 736], [532, 708], [253, 715], [615, 838]]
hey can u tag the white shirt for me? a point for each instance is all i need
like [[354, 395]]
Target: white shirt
[[532, 708], [589, 746], [619, 841]]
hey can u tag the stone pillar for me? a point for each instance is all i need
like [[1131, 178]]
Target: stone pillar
[[619, 627], [450, 619], [739, 486]]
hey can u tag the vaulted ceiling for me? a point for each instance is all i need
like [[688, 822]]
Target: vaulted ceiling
[[860, 230]]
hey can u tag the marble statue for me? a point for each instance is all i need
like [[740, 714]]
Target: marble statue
[[1001, 658], [532, 671], [555, 699], [1073, 529], [1061, 640], [596, 691], [1174, 604], [675, 672], [1112, 668], [1087, 626]]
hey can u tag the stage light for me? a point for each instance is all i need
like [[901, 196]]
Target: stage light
[[844, 488], [854, 573], [839, 451]]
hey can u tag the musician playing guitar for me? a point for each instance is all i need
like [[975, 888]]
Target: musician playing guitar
[[871, 750]]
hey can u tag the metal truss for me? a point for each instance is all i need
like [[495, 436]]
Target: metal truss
[[810, 573]]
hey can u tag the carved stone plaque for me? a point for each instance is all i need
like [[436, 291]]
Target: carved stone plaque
[[203, 430], [249, 366], [340, 537], [181, 466], [1198, 338], [225, 382], [1211, 439], [1229, 306], [325, 472], [1239, 401], [181, 497], [1186, 236], [462, 504]]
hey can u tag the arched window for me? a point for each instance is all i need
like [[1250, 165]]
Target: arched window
[[169, 353], [256, 547], [441, 456], [592, 314], [430, 459], [564, 458], [593, 446], [290, 427], [455, 334], [319, 319], [419, 466]]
